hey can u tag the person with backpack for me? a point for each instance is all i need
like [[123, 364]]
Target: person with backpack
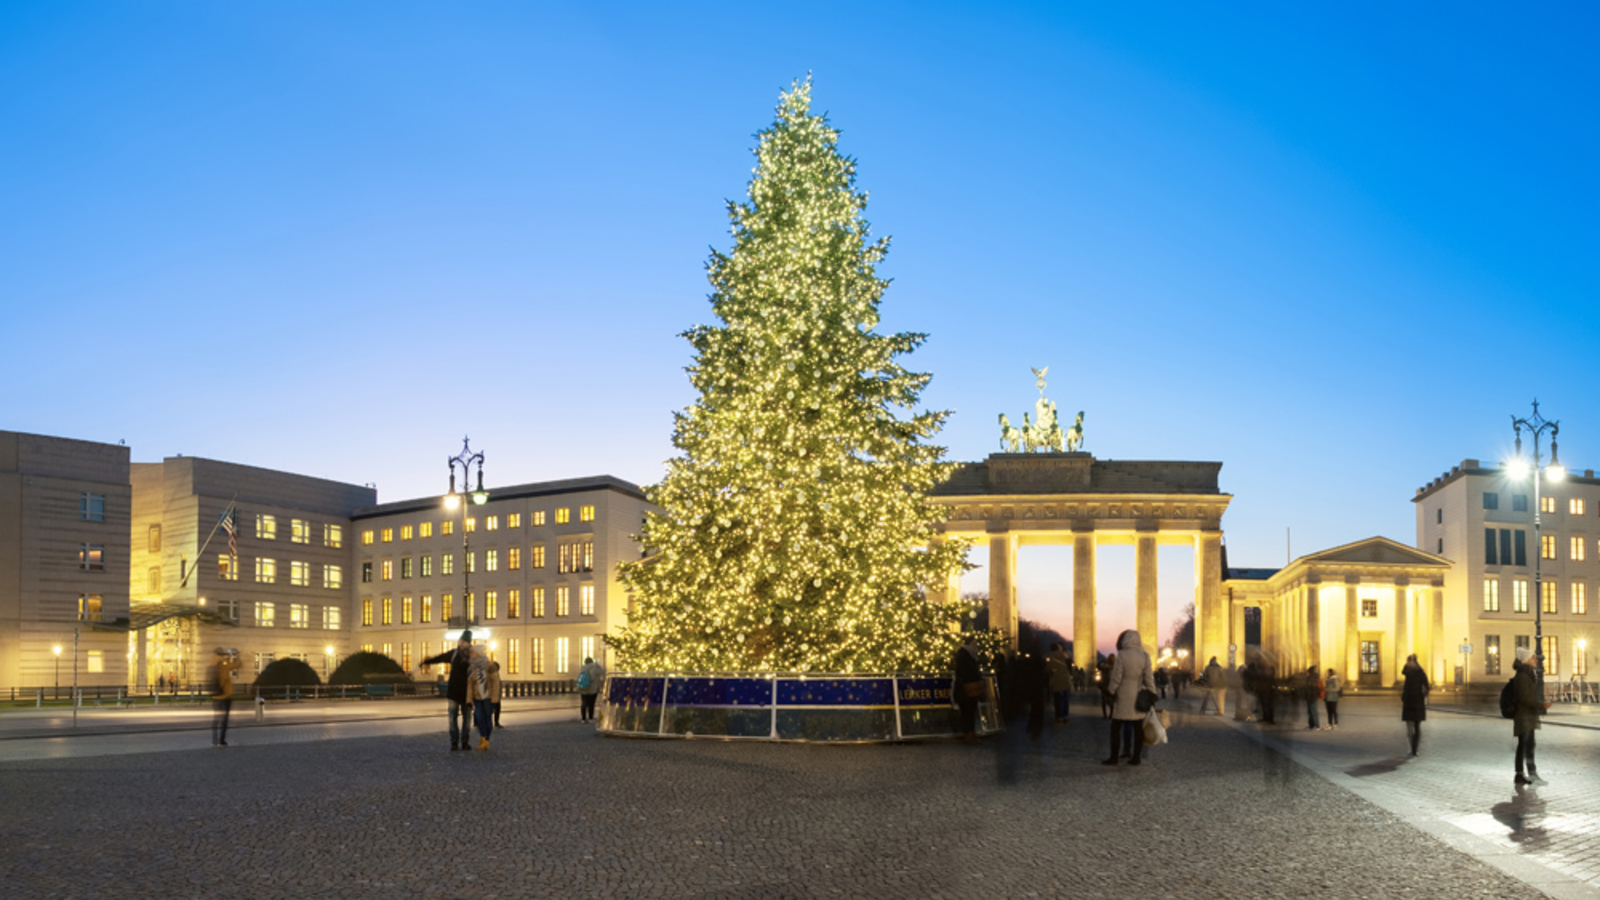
[[589, 680], [1526, 708]]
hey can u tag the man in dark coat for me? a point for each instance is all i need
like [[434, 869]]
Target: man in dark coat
[[1530, 706], [1414, 700], [967, 672], [460, 660]]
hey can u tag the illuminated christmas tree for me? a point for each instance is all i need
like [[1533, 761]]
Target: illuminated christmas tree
[[795, 532]]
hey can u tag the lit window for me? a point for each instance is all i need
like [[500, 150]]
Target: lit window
[[472, 524], [492, 523], [227, 570], [563, 605], [513, 655], [1580, 660], [1491, 654], [386, 568], [1547, 596], [266, 615], [586, 600], [447, 528], [405, 567], [1547, 504], [1547, 546], [96, 661], [586, 647], [536, 656], [365, 648], [299, 615], [588, 556], [266, 527], [564, 558], [536, 602], [92, 557], [427, 608], [1519, 596], [387, 535], [447, 563], [266, 570], [388, 611], [331, 616], [513, 520], [405, 532], [563, 516], [92, 507], [446, 607], [388, 649], [426, 529], [90, 607], [586, 513], [300, 574], [491, 560], [472, 561], [514, 558], [153, 580], [405, 656], [366, 537], [333, 577], [427, 567], [491, 603], [513, 603], [1575, 506], [333, 535], [155, 538], [536, 557], [366, 572], [563, 650], [1580, 598], [1369, 609], [1491, 595], [538, 517], [299, 531], [366, 610], [1552, 655], [405, 610], [1577, 546], [472, 606]]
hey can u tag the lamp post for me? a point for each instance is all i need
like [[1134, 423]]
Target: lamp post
[[1537, 425], [327, 660], [57, 649], [467, 460]]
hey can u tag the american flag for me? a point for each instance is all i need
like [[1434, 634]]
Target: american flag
[[233, 532]]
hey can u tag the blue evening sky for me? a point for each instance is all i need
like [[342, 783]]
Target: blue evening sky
[[1333, 247]]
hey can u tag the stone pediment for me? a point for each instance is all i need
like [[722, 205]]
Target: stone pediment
[[1377, 551], [1078, 473]]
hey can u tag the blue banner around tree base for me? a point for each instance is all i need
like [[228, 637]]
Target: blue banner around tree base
[[811, 708]]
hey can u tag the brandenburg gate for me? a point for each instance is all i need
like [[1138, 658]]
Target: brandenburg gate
[[1027, 499]]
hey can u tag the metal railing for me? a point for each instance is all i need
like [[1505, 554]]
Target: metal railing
[[102, 695]]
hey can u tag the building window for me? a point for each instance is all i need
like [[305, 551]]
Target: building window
[[536, 602], [366, 610], [366, 648], [300, 574], [1491, 595], [388, 649], [1491, 500], [299, 531], [1369, 609], [472, 560], [513, 655], [386, 535], [586, 600], [405, 532], [564, 558], [446, 607], [492, 523], [427, 567], [405, 655], [1522, 641], [586, 513], [513, 558], [447, 527], [1547, 546], [95, 661], [1547, 504], [425, 529], [1519, 595], [1438, 516], [586, 648], [155, 538], [472, 524], [563, 516], [152, 584], [1552, 655], [266, 615], [386, 568], [563, 604], [514, 520], [92, 557], [536, 656], [366, 537], [491, 603], [92, 507], [427, 608], [1580, 661], [266, 527], [588, 556], [536, 557], [299, 615], [1575, 506], [333, 536], [563, 655], [1491, 654], [332, 618], [90, 607], [513, 603], [263, 660], [447, 563], [227, 567], [1519, 502], [1441, 546], [1576, 547], [1491, 556], [491, 560], [1580, 598], [1522, 546], [538, 519], [405, 610], [266, 570], [405, 567], [472, 605], [366, 572], [333, 577], [388, 611]]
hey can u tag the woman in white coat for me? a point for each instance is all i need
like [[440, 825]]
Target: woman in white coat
[[1129, 674]]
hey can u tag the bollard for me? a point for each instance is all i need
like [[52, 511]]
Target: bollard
[[38, 700], [261, 708]]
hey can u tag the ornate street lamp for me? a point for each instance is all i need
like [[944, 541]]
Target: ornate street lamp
[[1519, 469], [467, 460]]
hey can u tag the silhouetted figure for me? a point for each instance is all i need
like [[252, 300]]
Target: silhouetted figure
[[1414, 700], [1105, 668], [1059, 668], [1530, 706], [968, 688]]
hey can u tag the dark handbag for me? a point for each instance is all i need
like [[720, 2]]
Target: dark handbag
[[973, 690], [1144, 701]]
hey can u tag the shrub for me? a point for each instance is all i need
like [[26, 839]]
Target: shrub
[[287, 673], [368, 668]]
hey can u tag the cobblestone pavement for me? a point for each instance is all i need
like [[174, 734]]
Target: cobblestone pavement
[[555, 811], [1459, 787]]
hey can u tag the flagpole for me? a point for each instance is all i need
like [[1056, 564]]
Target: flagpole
[[226, 510]]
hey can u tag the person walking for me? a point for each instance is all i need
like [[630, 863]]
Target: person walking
[[590, 677], [222, 669], [1216, 688], [1130, 674], [1414, 700], [1331, 689], [455, 691], [1530, 706], [483, 685], [1311, 692], [494, 692], [1060, 669]]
